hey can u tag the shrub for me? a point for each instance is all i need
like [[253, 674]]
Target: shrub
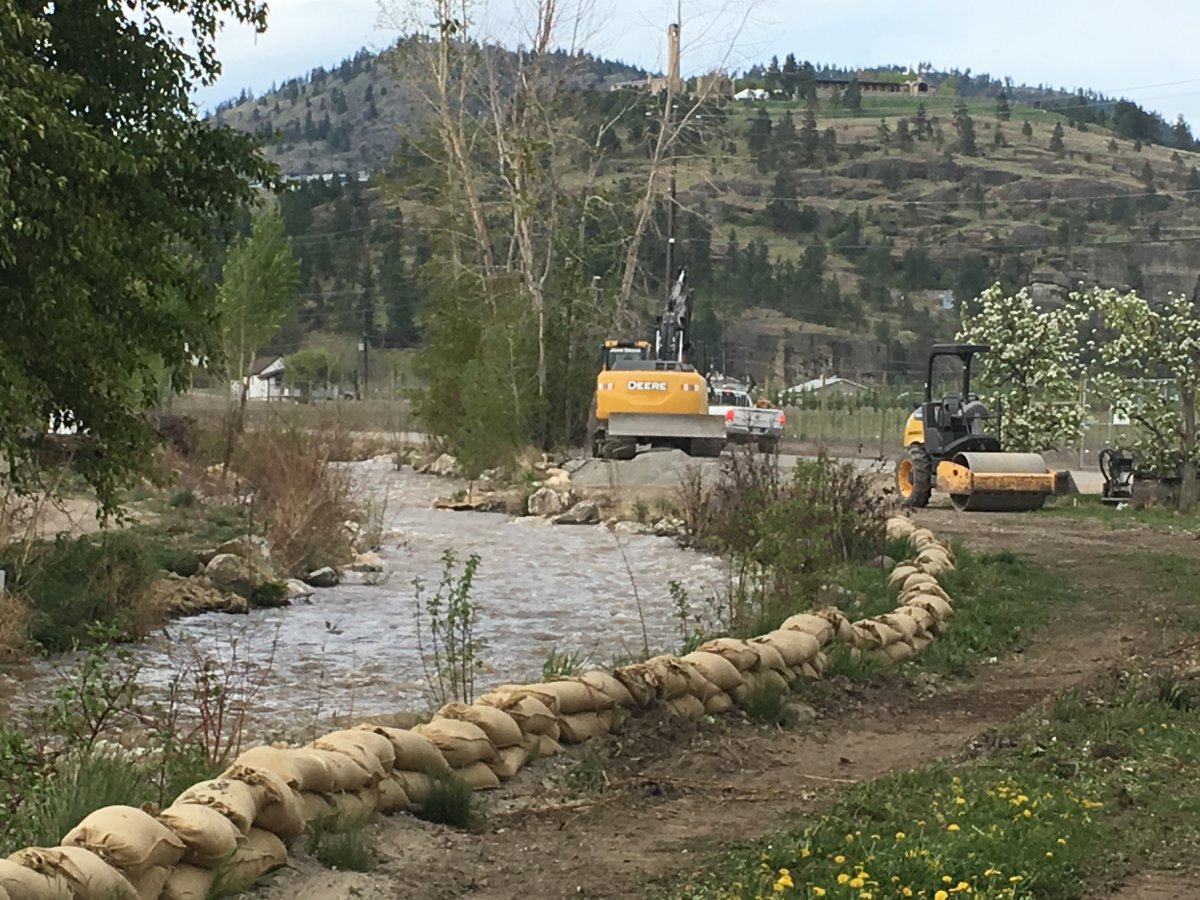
[[450, 801], [768, 705], [14, 626], [348, 848], [560, 664]]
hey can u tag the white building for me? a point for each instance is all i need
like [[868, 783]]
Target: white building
[[751, 94], [264, 380]]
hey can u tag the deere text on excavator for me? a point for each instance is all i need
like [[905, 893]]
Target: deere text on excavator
[[648, 393], [949, 445]]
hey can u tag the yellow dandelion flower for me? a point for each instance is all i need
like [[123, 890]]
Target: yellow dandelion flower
[[960, 801], [818, 891], [960, 887], [839, 859], [988, 873], [857, 882], [899, 835], [1049, 854], [782, 882], [849, 839], [1015, 878], [906, 891], [1062, 841], [1027, 813], [946, 879], [941, 895], [953, 826], [842, 878]]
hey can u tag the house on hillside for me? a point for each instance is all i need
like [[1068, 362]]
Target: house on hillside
[[264, 380], [751, 94], [829, 385]]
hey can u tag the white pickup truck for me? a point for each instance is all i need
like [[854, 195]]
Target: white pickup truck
[[746, 423]]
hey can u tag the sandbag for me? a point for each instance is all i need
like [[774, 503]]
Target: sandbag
[[608, 685], [581, 727], [260, 853], [718, 703], [613, 718], [502, 730], [796, 647], [415, 785], [738, 652], [354, 807], [924, 619], [126, 838], [209, 838], [907, 625], [316, 807], [921, 643], [936, 566], [739, 694], [508, 762], [392, 797], [899, 528], [188, 883], [768, 679], [531, 714], [640, 682], [865, 637], [344, 773], [919, 579], [301, 768], [575, 696], [808, 623], [149, 883], [372, 752], [715, 668], [413, 752], [478, 776], [89, 877], [281, 812], [808, 670], [23, 883], [460, 742], [677, 678], [768, 658], [898, 652], [237, 801], [936, 606], [686, 707], [919, 537], [547, 698], [902, 573], [540, 746]]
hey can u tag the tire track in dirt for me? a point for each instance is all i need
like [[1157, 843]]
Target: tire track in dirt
[[676, 794]]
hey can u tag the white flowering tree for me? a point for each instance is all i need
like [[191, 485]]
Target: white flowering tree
[[1033, 367], [1145, 361]]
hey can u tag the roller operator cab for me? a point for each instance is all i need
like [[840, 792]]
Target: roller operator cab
[[643, 400], [952, 444]]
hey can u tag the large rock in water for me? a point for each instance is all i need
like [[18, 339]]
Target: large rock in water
[[323, 578], [249, 546], [546, 502], [585, 512], [443, 465], [176, 596], [228, 572]]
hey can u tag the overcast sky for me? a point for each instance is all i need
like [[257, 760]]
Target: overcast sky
[[1145, 51]]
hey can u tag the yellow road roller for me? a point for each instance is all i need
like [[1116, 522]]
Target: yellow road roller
[[951, 446]]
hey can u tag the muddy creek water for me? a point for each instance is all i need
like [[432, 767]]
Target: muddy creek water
[[353, 649]]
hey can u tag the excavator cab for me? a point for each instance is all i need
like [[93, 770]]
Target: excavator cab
[[624, 355], [953, 443]]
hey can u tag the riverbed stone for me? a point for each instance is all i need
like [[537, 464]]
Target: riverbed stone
[[364, 578], [365, 562], [325, 577], [628, 526], [248, 546], [174, 595], [546, 502], [585, 512], [229, 572], [443, 465], [298, 590]]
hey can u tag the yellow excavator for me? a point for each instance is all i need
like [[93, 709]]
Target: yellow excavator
[[647, 393], [949, 446]]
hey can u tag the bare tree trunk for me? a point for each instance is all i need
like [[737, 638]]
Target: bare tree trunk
[[1187, 486]]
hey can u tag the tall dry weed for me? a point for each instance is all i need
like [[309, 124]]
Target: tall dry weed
[[300, 495], [14, 626]]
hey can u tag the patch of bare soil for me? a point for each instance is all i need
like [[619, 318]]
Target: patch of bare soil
[[669, 796]]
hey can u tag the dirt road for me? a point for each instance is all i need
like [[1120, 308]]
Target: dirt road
[[671, 796]]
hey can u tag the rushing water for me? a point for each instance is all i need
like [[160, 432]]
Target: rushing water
[[353, 649]]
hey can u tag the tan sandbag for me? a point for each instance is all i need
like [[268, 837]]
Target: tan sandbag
[[460, 742], [299, 767], [919, 537], [677, 678], [149, 883], [808, 623], [344, 772], [188, 883], [574, 696], [686, 707], [865, 637], [921, 644], [796, 647], [502, 730], [808, 671], [936, 606], [415, 785], [392, 797], [922, 617], [89, 877], [902, 573], [885, 632], [820, 663], [281, 812], [898, 652], [24, 883], [372, 752], [540, 746], [899, 528], [548, 698], [919, 579], [413, 752], [608, 685], [354, 807], [508, 762], [477, 776], [768, 679], [127, 838], [936, 567], [531, 714], [718, 703], [209, 838], [907, 625], [581, 727], [715, 668], [237, 801], [739, 694], [738, 652], [316, 807], [613, 718], [259, 854], [916, 590], [768, 658], [640, 682]]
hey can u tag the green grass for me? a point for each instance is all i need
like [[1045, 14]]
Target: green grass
[[450, 802], [1084, 787], [351, 847], [1091, 508], [767, 705]]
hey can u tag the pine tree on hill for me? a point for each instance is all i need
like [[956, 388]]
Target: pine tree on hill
[[1056, 140]]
